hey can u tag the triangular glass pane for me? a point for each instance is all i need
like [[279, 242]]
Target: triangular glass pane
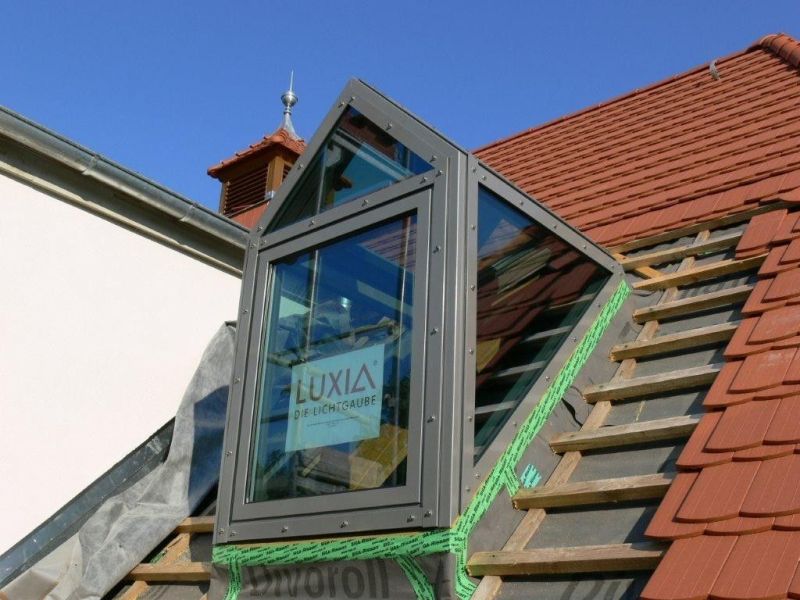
[[358, 158]]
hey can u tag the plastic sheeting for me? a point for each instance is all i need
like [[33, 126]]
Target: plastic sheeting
[[127, 527]]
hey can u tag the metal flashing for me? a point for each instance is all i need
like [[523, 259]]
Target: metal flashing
[[145, 191]]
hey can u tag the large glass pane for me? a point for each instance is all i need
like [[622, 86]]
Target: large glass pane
[[333, 408], [533, 288], [358, 158]]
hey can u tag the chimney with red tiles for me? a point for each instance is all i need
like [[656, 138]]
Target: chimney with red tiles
[[250, 177]]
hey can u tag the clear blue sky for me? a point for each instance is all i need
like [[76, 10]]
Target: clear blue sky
[[169, 88]]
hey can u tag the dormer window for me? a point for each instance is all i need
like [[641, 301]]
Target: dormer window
[[402, 306]]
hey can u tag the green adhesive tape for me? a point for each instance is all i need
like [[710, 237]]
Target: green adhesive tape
[[416, 577], [402, 547]]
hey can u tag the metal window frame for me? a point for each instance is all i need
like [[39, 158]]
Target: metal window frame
[[419, 504], [446, 317], [408, 495]]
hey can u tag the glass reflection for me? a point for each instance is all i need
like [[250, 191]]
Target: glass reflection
[[333, 407], [358, 158], [533, 287]]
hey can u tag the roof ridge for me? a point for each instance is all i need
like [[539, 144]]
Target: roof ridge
[[782, 45], [776, 43], [280, 137]]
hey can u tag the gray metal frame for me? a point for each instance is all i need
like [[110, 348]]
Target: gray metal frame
[[441, 478]]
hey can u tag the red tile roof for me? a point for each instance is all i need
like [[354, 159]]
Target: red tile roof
[[737, 497], [685, 150], [280, 138]]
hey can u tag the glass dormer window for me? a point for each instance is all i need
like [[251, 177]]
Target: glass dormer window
[[388, 345]]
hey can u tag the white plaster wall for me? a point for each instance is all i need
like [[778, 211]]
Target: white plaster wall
[[100, 331]]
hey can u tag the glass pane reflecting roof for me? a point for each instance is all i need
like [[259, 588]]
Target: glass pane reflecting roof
[[533, 287], [358, 158]]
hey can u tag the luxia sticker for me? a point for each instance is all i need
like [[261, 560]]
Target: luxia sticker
[[336, 400]]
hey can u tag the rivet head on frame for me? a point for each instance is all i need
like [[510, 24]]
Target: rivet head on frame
[[432, 418], [514, 424], [237, 380], [244, 312], [483, 177], [343, 524], [477, 475], [433, 158], [389, 125], [469, 418], [233, 534], [311, 223], [472, 287], [411, 518], [365, 203], [472, 227], [436, 249], [469, 489], [423, 180], [300, 166], [252, 245], [228, 453], [259, 228], [428, 513], [471, 351], [284, 529], [221, 531], [439, 172], [434, 331]]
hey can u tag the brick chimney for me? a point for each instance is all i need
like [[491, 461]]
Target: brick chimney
[[251, 176]]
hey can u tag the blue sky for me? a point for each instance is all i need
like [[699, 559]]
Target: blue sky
[[169, 88]]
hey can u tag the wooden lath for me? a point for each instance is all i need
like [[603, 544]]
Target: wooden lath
[[671, 381], [694, 304], [702, 273], [600, 491], [171, 567], [660, 257], [663, 344], [196, 525], [616, 436], [185, 572], [643, 556]]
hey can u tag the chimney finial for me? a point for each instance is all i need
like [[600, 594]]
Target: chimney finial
[[289, 99]]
